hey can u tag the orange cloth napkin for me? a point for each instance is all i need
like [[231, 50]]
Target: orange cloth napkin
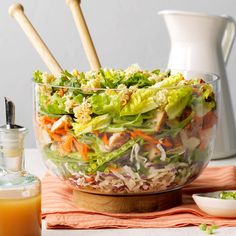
[[60, 212]]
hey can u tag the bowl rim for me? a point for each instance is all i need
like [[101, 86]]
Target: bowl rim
[[201, 195], [214, 80]]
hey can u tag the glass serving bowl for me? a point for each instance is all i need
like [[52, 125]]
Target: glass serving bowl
[[116, 151]]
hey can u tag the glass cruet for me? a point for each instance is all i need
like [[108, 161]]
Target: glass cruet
[[20, 191]]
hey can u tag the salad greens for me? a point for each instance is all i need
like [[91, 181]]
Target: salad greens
[[208, 229], [124, 131], [228, 195]]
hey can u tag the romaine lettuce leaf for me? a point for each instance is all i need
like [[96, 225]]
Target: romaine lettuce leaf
[[177, 99], [54, 104], [171, 81], [140, 80], [37, 76], [97, 123], [204, 101], [120, 123], [110, 78], [143, 100], [103, 103]]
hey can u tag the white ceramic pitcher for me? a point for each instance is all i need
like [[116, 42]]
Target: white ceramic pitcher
[[202, 42]]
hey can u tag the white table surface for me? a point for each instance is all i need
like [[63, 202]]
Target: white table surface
[[35, 166]]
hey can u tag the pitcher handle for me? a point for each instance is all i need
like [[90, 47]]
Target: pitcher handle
[[228, 38]]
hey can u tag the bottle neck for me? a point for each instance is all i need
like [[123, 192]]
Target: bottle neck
[[12, 149]]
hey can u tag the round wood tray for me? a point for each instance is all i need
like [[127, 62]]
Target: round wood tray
[[128, 203]]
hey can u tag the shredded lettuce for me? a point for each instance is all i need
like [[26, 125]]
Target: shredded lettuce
[[100, 160]]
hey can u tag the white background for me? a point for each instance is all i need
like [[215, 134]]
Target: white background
[[124, 32]]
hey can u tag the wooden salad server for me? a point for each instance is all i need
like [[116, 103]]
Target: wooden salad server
[[17, 11], [84, 33]]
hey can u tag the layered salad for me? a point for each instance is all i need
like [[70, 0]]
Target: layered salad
[[127, 131]]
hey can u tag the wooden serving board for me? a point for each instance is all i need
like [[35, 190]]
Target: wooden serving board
[[128, 203]]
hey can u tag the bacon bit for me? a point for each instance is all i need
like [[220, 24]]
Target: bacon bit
[[105, 139]]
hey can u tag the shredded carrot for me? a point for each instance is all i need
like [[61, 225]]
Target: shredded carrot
[[95, 132], [166, 143], [105, 139], [60, 131], [82, 148], [84, 152], [55, 137], [132, 134], [114, 169], [68, 144], [146, 137], [47, 120], [67, 126], [77, 145]]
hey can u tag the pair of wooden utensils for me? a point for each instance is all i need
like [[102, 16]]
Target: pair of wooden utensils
[[17, 11]]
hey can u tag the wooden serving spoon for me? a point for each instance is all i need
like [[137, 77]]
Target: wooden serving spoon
[[84, 33], [17, 11]]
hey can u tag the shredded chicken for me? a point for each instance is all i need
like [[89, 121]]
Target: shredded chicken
[[117, 140], [160, 120], [61, 123]]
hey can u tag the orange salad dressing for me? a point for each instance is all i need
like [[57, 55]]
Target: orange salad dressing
[[20, 217]]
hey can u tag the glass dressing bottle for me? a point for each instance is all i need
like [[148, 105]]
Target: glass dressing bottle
[[20, 192]]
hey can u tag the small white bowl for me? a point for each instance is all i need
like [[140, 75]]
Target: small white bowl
[[211, 204]]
